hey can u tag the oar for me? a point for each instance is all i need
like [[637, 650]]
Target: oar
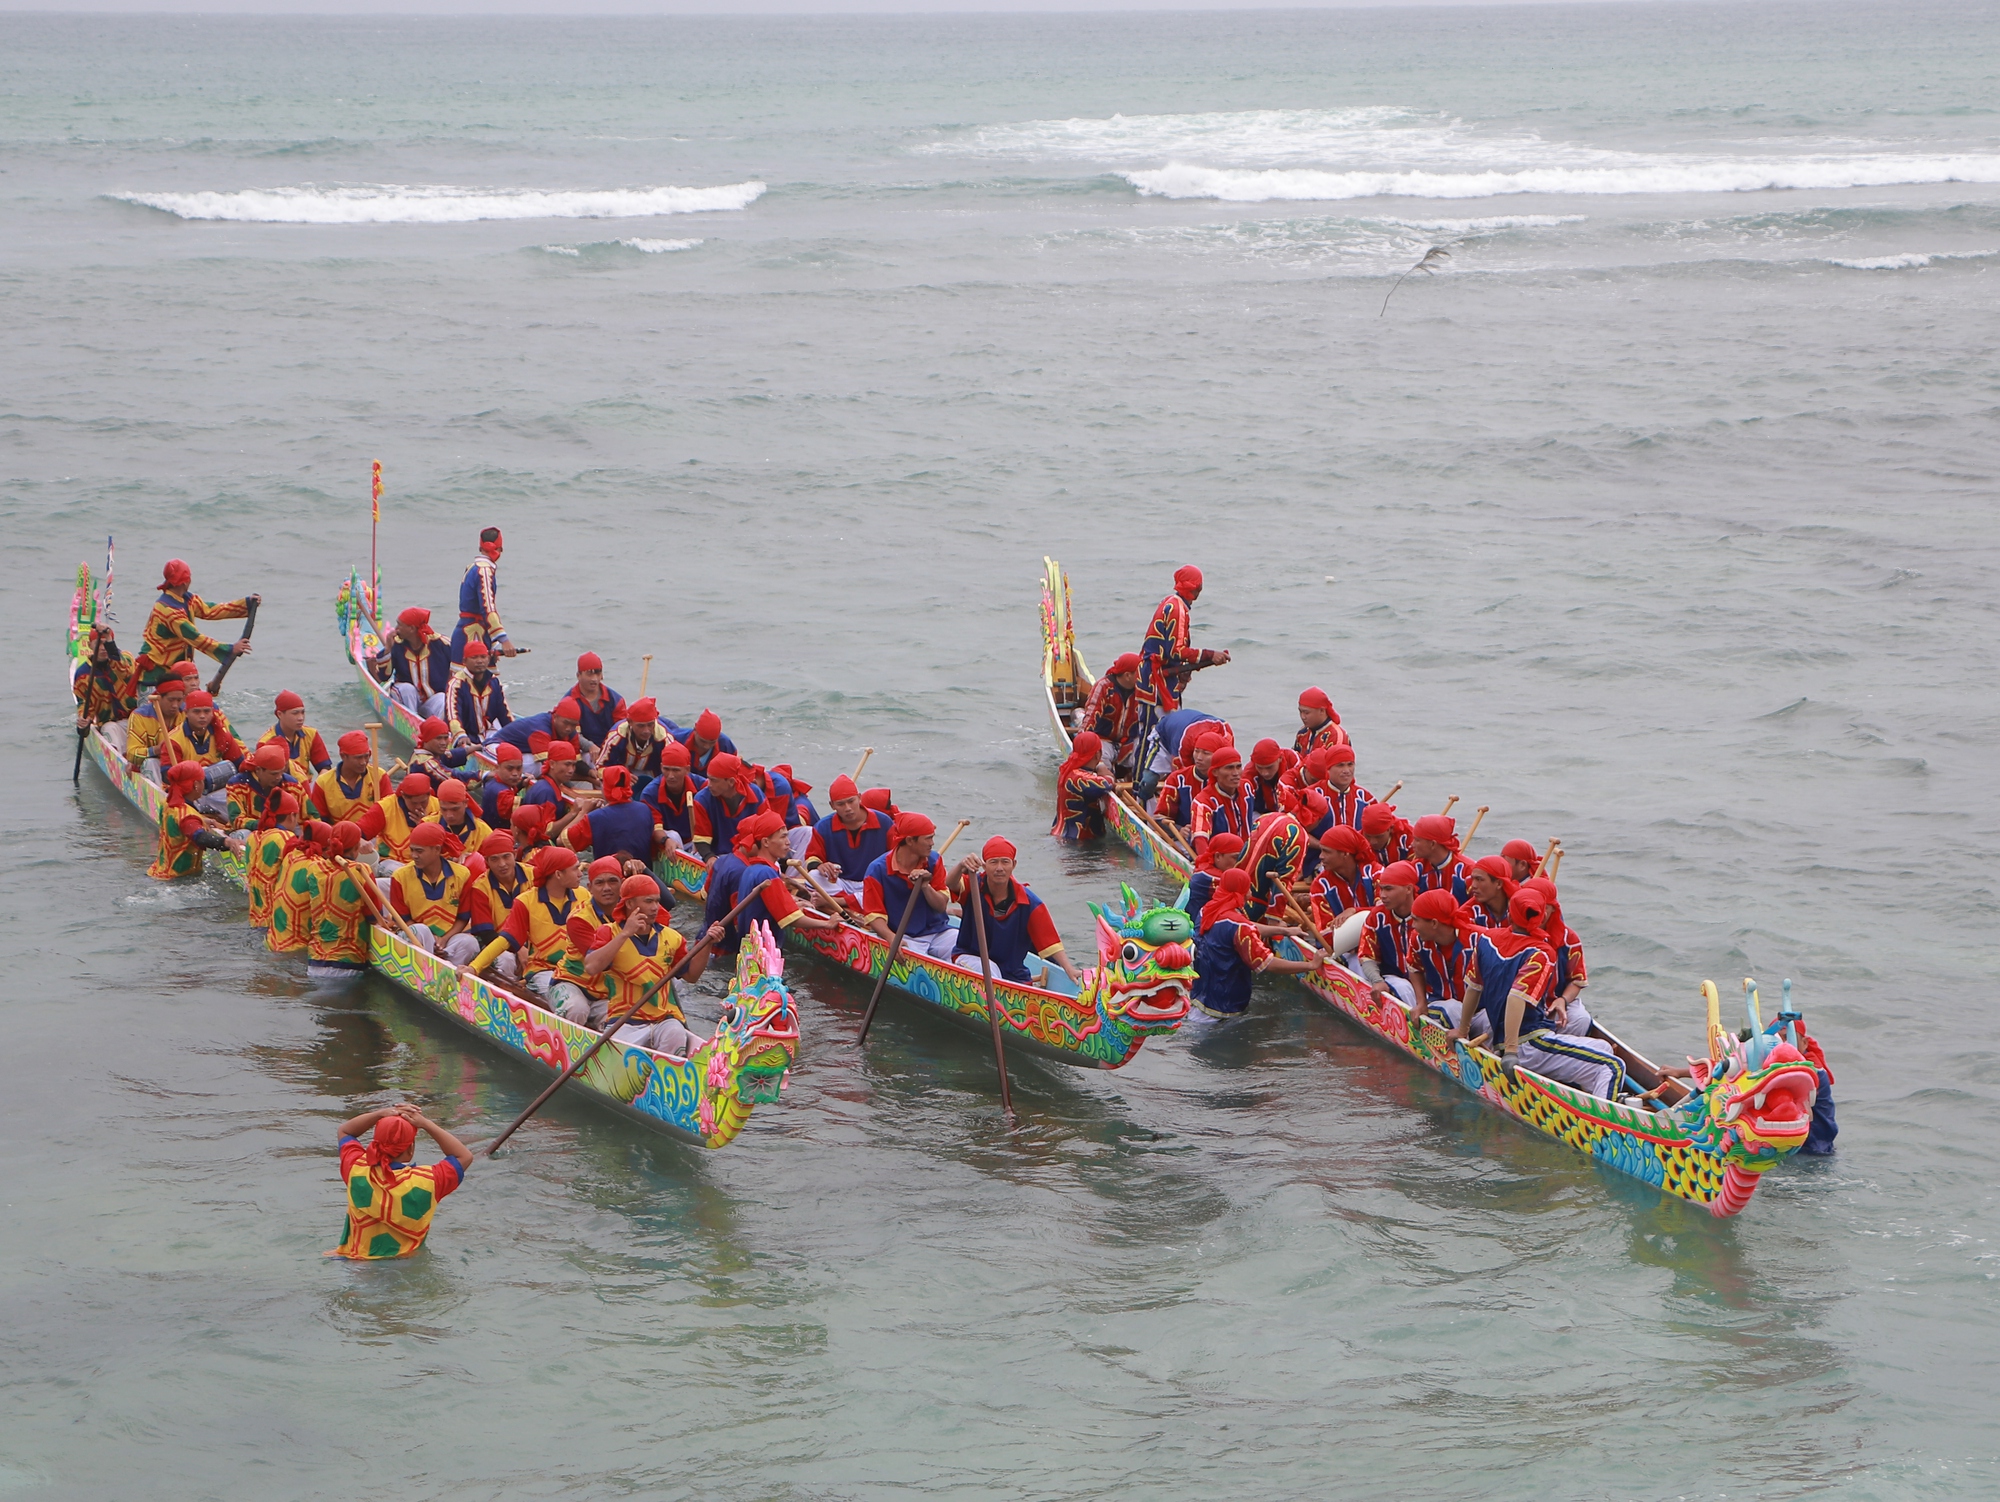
[[377, 903], [1467, 840], [1449, 802], [896, 944], [1167, 830], [1392, 792], [975, 898], [373, 752], [76, 772], [249, 625], [612, 1025], [855, 775], [1555, 865], [645, 672], [1554, 846]]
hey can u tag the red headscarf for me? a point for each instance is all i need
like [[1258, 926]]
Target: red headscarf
[[284, 806], [1496, 867], [1346, 837], [1187, 581], [880, 800], [635, 888], [1085, 751], [909, 826], [1219, 844], [1520, 850], [1315, 698], [758, 827], [1127, 663], [551, 859], [1441, 829], [708, 725], [1439, 906], [394, 1140], [1264, 754], [176, 575], [346, 836], [1528, 911], [998, 848], [617, 784], [1232, 890], [1380, 818], [1397, 874], [842, 787], [1224, 756], [420, 618], [490, 546], [1337, 754], [1557, 929], [724, 766], [182, 777]]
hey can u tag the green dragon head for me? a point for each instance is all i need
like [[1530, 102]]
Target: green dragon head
[[756, 1039], [1145, 965]]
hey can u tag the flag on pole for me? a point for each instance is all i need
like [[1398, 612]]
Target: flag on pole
[[378, 490]]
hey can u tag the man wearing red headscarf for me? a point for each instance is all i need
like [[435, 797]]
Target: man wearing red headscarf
[[200, 738], [1347, 798], [1434, 850], [1319, 724], [1167, 659], [1083, 788], [391, 822], [602, 706], [171, 636], [625, 967], [1112, 711], [479, 602], [1345, 883], [476, 707], [1523, 857], [1268, 764], [910, 866], [1387, 835], [671, 795], [183, 833], [1230, 952], [705, 741], [261, 779], [390, 1201], [304, 749], [729, 797], [551, 788], [1572, 975], [1438, 974], [763, 846], [351, 784], [1224, 853], [1017, 921], [1489, 886], [1189, 778], [1224, 805], [622, 827], [502, 786], [1388, 942], [636, 741], [419, 665], [436, 895], [846, 842]]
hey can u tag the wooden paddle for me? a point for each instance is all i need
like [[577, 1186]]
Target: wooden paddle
[[1475, 827], [855, 775], [611, 1026], [1555, 865], [975, 898], [645, 672], [896, 943], [377, 903], [1392, 792], [249, 625], [374, 753], [1448, 803], [1554, 846]]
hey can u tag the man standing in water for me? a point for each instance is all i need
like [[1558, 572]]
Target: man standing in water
[[479, 602], [390, 1201]]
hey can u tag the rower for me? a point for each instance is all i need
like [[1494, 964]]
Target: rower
[[704, 741], [171, 637], [1084, 786], [1348, 798], [1265, 782], [599, 898], [147, 730], [352, 784], [625, 972], [260, 781], [532, 945], [1231, 951], [1385, 954], [1439, 955], [1387, 835], [603, 707], [1112, 712], [531, 823], [721, 805], [622, 828], [1522, 857], [466, 829], [532, 733], [265, 849], [1566, 990], [1319, 725], [1224, 853], [340, 920], [497, 887], [198, 738], [1508, 976], [764, 846], [1345, 884], [479, 602], [477, 703], [390, 1200], [299, 871], [788, 799], [435, 755], [1434, 849], [671, 796], [435, 894], [1489, 886], [1224, 804], [105, 683], [304, 749], [502, 785], [1017, 921], [636, 742], [1189, 778], [552, 787], [420, 665], [885, 889], [184, 835], [392, 821], [1167, 660], [846, 842]]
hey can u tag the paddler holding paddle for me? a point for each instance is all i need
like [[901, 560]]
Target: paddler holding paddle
[[625, 966], [1231, 951], [846, 842], [184, 834], [1084, 786], [172, 637], [1017, 921], [750, 881], [910, 867]]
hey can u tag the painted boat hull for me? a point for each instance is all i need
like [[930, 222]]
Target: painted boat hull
[[1663, 1148]]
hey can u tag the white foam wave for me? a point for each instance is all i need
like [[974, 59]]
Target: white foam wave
[[1236, 137], [1908, 261], [1484, 226], [659, 247], [561, 250], [1714, 175], [393, 203]]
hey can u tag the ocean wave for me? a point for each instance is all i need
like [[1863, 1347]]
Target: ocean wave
[[1909, 260], [1711, 175], [659, 247], [393, 203], [1233, 136]]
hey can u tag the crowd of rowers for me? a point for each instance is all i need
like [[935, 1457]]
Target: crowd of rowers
[[1286, 843], [524, 846]]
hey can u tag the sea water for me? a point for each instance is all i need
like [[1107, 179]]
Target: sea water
[[1658, 515]]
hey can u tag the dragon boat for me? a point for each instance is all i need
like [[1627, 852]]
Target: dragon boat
[[1139, 989], [704, 1098], [1709, 1141]]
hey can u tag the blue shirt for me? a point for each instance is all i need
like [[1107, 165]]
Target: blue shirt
[[925, 920], [624, 830]]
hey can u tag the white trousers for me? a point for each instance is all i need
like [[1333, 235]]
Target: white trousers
[[1578, 1023], [570, 999], [459, 949], [1567, 1067], [827, 879], [938, 946], [664, 1036], [405, 694]]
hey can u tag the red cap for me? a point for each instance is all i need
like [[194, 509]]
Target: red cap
[[1441, 828], [1208, 740], [348, 833], [708, 725], [416, 615], [1397, 874], [176, 575], [189, 772], [606, 865], [558, 751], [270, 756], [1377, 818], [551, 859], [284, 805], [643, 711], [1225, 756], [566, 709], [1494, 866], [1126, 663], [430, 728], [394, 1139], [188, 670], [1439, 906], [1335, 755], [354, 743], [758, 827], [1187, 579], [201, 698], [530, 817], [674, 754], [722, 764], [416, 785], [506, 751], [1345, 837], [451, 790], [1224, 843], [289, 700], [1315, 698], [909, 826], [638, 886], [1520, 850], [877, 799], [500, 842], [998, 848], [590, 662], [476, 649], [1264, 754], [842, 787], [618, 784], [428, 833]]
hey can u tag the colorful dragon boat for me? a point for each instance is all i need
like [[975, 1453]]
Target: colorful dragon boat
[[704, 1098], [1747, 1108], [1138, 990]]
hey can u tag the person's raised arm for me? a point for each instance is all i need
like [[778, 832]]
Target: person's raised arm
[[449, 1145], [363, 1122]]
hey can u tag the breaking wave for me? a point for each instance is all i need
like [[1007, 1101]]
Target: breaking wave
[[392, 203]]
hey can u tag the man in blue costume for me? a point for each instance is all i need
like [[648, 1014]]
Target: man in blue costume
[[479, 602]]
